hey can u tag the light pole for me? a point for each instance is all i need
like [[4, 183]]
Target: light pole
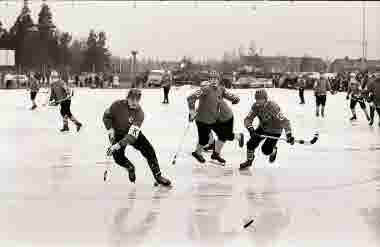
[[134, 53]]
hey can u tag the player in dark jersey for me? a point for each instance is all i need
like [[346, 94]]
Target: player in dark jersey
[[356, 93], [123, 120], [61, 94], [34, 88], [272, 123]]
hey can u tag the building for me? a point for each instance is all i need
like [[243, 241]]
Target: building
[[351, 65], [280, 64]]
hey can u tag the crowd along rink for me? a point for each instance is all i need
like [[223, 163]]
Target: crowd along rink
[[52, 190]]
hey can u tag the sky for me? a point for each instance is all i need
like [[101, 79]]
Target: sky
[[169, 30]]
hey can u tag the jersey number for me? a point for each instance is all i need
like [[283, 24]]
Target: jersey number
[[134, 131]]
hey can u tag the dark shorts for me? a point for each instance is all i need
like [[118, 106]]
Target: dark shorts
[[33, 95], [320, 100], [360, 101], [65, 108], [268, 145], [223, 130]]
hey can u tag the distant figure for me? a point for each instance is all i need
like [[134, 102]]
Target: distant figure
[[34, 88], [301, 88], [166, 86]]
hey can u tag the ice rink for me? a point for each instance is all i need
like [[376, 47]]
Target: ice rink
[[52, 190]]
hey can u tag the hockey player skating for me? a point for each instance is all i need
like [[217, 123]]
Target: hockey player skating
[[61, 94], [356, 93], [213, 114], [301, 84], [166, 86], [34, 88], [321, 86], [374, 98], [272, 123], [123, 120]]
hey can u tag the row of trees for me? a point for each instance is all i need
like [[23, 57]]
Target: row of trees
[[42, 46]]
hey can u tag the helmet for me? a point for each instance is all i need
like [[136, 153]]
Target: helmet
[[134, 93], [352, 74], [261, 94]]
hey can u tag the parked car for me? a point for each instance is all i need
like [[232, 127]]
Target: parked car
[[243, 82], [155, 78]]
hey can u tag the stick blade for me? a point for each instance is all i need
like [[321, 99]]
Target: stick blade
[[248, 223]]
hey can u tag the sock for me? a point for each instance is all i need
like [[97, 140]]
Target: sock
[[218, 146]]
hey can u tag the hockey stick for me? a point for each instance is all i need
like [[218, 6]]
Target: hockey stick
[[181, 143], [301, 141]]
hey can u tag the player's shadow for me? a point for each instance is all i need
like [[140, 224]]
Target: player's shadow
[[270, 219], [209, 203], [124, 233], [372, 218]]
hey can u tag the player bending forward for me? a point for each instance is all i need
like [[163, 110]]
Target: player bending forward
[[272, 122], [214, 114], [123, 120]]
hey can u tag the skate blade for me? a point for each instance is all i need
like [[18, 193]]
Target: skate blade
[[213, 162]]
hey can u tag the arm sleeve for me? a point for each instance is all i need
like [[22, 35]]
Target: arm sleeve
[[250, 117], [195, 96], [231, 97], [107, 118], [278, 115], [134, 130]]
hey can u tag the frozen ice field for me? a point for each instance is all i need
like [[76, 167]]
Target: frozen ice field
[[52, 190]]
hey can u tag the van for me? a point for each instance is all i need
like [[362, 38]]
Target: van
[[155, 78]]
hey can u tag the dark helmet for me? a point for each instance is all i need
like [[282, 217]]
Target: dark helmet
[[261, 94], [134, 93]]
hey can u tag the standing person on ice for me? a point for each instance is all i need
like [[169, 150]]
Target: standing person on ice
[[356, 97], [301, 88], [34, 88], [374, 98], [214, 114], [272, 123], [60, 93], [123, 120], [321, 86], [166, 86]]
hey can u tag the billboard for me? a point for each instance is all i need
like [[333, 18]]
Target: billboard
[[7, 57]]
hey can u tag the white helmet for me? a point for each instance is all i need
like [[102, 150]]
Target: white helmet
[[352, 74]]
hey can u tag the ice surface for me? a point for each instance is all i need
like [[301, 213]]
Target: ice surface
[[52, 190]]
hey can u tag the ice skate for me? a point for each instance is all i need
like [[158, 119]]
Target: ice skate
[[245, 165], [216, 156], [273, 155], [65, 128], [79, 126], [353, 118], [161, 180], [198, 157]]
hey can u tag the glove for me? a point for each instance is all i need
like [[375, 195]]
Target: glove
[[290, 138], [347, 97], [112, 149], [251, 131], [111, 135], [235, 101], [192, 115]]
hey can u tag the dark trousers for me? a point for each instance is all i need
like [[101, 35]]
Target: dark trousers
[[223, 130], [301, 94], [269, 144], [166, 94], [146, 149], [65, 109]]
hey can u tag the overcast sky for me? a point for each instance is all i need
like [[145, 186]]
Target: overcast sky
[[171, 30]]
